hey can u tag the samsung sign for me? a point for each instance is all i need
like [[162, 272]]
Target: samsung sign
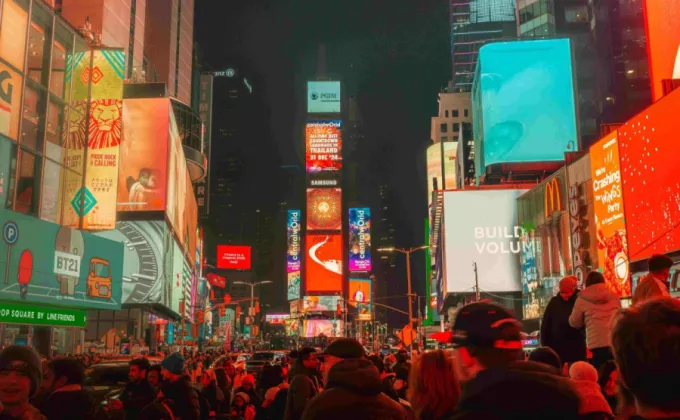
[[323, 97]]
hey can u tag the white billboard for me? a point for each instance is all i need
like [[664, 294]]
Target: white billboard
[[481, 227], [323, 97]]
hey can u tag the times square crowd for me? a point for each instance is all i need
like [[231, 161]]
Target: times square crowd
[[598, 361]]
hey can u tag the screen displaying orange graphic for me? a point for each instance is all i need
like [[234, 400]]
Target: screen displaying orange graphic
[[324, 209], [663, 42], [323, 268]]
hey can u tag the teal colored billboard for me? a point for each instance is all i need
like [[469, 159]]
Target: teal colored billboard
[[58, 265], [523, 103]]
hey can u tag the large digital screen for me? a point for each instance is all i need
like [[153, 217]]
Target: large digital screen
[[434, 167], [323, 97], [481, 227], [320, 303], [360, 239], [294, 284], [293, 256], [233, 257], [360, 296], [324, 209], [612, 249], [326, 327], [324, 146], [524, 103], [323, 268], [663, 42], [649, 166]]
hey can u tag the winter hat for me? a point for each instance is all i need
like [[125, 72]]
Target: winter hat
[[174, 363], [248, 379], [583, 371], [547, 356], [25, 360], [486, 325], [243, 396]]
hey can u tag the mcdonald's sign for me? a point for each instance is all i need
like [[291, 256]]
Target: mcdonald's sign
[[553, 200]]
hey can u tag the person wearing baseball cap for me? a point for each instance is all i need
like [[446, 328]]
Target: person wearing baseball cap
[[498, 383], [20, 376], [353, 387]]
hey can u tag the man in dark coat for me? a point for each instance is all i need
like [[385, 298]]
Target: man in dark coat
[[177, 391], [304, 383], [138, 393], [569, 343]]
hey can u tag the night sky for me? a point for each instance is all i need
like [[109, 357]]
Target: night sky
[[393, 56]]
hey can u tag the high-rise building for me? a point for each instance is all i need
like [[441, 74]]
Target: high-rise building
[[473, 23]]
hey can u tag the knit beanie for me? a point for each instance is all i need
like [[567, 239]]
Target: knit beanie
[[25, 360], [243, 396], [174, 363]]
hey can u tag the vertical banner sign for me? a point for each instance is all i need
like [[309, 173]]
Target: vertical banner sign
[[323, 146], [293, 235], [612, 244], [359, 239], [95, 127], [205, 94]]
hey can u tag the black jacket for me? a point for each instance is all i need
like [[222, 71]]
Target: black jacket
[[556, 333], [69, 404], [353, 392], [304, 385], [135, 396], [183, 398], [215, 399], [523, 390]]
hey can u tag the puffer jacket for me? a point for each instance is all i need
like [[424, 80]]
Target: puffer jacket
[[353, 391], [594, 308], [592, 400]]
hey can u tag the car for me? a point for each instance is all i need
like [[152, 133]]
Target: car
[[255, 364]]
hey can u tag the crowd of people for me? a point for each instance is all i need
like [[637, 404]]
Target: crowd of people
[[597, 362]]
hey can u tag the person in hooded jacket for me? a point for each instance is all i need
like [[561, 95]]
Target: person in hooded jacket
[[303, 383], [568, 342], [594, 309], [353, 387], [584, 376]]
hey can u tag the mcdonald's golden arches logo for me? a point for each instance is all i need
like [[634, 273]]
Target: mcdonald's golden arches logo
[[553, 200]]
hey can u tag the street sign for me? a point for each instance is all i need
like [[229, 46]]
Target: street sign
[[10, 232]]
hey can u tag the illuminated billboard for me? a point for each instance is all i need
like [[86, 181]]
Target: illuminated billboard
[[323, 146], [323, 97], [663, 42], [320, 303], [13, 51], [142, 179], [294, 283], [360, 239], [324, 206], [360, 296], [233, 257], [523, 98], [276, 318], [293, 256], [649, 162], [434, 167], [323, 268], [481, 227], [322, 327], [612, 249]]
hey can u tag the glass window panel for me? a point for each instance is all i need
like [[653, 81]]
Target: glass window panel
[[55, 123], [576, 14], [33, 128], [53, 182], [13, 34], [62, 47], [71, 182], [8, 164], [39, 42], [28, 185]]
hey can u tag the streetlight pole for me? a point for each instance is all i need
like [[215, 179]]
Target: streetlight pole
[[252, 295]]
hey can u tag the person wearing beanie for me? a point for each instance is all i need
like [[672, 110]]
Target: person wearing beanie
[[568, 342], [241, 407], [548, 357], [177, 391], [584, 376], [248, 387], [20, 376], [66, 397]]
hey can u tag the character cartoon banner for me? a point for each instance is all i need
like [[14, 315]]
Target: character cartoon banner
[[65, 267], [294, 285], [324, 146], [294, 240], [360, 239]]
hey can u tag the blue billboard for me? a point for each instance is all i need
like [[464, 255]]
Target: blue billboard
[[293, 238], [360, 239], [523, 103]]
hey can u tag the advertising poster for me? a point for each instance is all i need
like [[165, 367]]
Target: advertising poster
[[322, 327], [324, 146], [481, 227], [323, 97], [293, 257], [66, 267], [323, 268], [190, 232], [294, 284], [663, 42], [295, 308], [360, 295], [12, 50], [205, 97], [649, 164], [234, 257], [526, 94], [320, 303], [612, 244], [276, 318], [324, 209], [360, 239], [143, 155]]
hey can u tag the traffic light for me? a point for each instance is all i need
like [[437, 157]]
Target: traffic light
[[200, 317], [339, 309], [257, 306], [223, 310], [238, 312]]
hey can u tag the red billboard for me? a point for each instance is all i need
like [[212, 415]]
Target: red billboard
[[217, 281], [663, 42], [323, 268], [323, 146], [649, 152], [324, 209], [233, 257]]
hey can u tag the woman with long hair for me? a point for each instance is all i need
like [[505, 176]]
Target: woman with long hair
[[434, 389]]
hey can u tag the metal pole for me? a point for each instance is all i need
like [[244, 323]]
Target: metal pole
[[474, 264], [408, 278]]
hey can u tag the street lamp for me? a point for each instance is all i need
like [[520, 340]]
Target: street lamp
[[408, 272], [252, 287]]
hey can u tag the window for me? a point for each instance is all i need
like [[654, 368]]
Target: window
[[446, 113], [454, 113], [53, 178], [455, 127], [28, 185], [443, 127], [466, 113], [13, 35], [61, 48], [33, 128], [576, 14], [39, 44], [8, 164]]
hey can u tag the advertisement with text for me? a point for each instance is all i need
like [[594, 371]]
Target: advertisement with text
[[360, 239], [324, 146], [320, 303], [324, 209], [360, 296], [234, 257], [294, 238], [323, 97], [323, 266], [294, 284], [663, 42]]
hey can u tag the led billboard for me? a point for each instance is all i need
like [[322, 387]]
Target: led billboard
[[323, 268], [276, 318], [320, 303], [360, 296], [294, 283], [324, 146], [649, 165], [481, 227], [293, 256], [323, 97], [233, 257], [360, 239], [142, 179], [612, 248], [523, 100], [324, 206], [322, 327], [434, 167], [663, 42]]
